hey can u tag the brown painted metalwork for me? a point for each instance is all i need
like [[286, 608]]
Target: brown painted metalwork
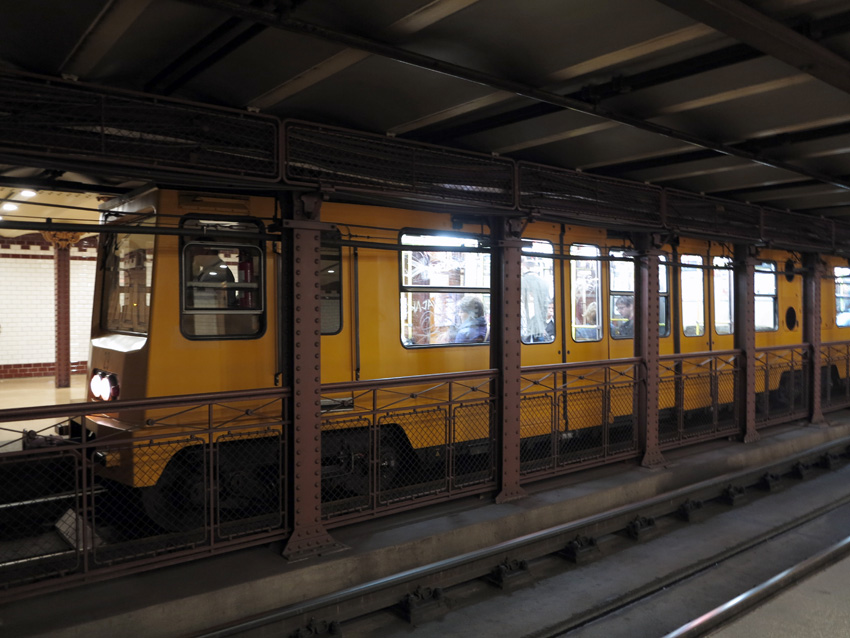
[[705, 408], [577, 415], [811, 332], [63, 524], [646, 348], [506, 274], [745, 340], [309, 536], [782, 389], [396, 444]]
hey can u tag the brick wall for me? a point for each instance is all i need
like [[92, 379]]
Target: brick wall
[[27, 319]]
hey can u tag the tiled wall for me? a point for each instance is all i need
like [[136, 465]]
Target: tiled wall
[[27, 306]]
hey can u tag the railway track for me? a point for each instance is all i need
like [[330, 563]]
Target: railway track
[[616, 567]]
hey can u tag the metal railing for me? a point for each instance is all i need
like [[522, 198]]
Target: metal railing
[[576, 415], [206, 473], [396, 443], [835, 375], [782, 383], [696, 397]]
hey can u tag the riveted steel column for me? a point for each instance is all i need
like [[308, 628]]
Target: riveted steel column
[[646, 347], [505, 350], [814, 269], [309, 536], [745, 341], [62, 242]]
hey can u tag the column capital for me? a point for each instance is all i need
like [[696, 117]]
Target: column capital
[[61, 239]]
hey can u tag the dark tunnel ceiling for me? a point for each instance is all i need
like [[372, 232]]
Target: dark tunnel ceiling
[[743, 100]]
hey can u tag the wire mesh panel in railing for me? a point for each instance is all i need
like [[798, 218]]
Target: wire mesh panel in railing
[[590, 413], [537, 451], [386, 444], [156, 498], [39, 536], [781, 385], [835, 375], [249, 482], [473, 445], [403, 472]]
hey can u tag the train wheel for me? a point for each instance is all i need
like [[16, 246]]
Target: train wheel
[[178, 501]]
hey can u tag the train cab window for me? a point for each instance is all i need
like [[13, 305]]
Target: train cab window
[[445, 290], [724, 300], [764, 287], [330, 282], [621, 284], [128, 267], [842, 296], [693, 296], [585, 286], [538, 287], [222, 283]]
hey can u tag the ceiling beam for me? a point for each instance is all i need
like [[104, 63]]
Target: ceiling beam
[[742, 22], [283, 22], [110, 25]]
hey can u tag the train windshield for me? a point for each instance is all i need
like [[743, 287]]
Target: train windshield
[[128, 266]]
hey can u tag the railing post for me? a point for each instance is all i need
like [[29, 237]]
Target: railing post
[[745, 341], [646, 347], [814, 270], [505, 351], [309, 536]]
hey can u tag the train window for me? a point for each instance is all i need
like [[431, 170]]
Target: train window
[[842, 296], [585, 284], [538, 289], [724, 300], [222, 291], [693, 296], [663, 297], [330, 282], [445, 291], [621, 274], [764, 287], [128, 266]]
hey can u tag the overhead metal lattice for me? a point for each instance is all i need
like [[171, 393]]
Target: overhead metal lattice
[[341, 159], [74, 123], [714, 218], [589, 199]]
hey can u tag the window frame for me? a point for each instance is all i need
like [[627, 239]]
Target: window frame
[[600, 312], [219, 240], [701, 268], [774, 296], [462, 291], [539, 255], [836, 278], [109, 242], [728, 270], [616, 293]]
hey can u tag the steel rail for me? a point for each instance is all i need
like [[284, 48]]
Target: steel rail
[[668, 500], [760, 594]]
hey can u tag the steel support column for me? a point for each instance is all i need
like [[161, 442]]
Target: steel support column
[[646, 347], [62, 243], [812, 281], [745, 341], [309, 536], [505, 351]]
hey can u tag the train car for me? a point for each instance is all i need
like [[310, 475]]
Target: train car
[[404, 294]]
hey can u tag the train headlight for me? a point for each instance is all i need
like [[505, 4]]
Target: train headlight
[[104, 385]]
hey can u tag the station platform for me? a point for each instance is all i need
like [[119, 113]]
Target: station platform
[[817, 606], [187, 599]]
